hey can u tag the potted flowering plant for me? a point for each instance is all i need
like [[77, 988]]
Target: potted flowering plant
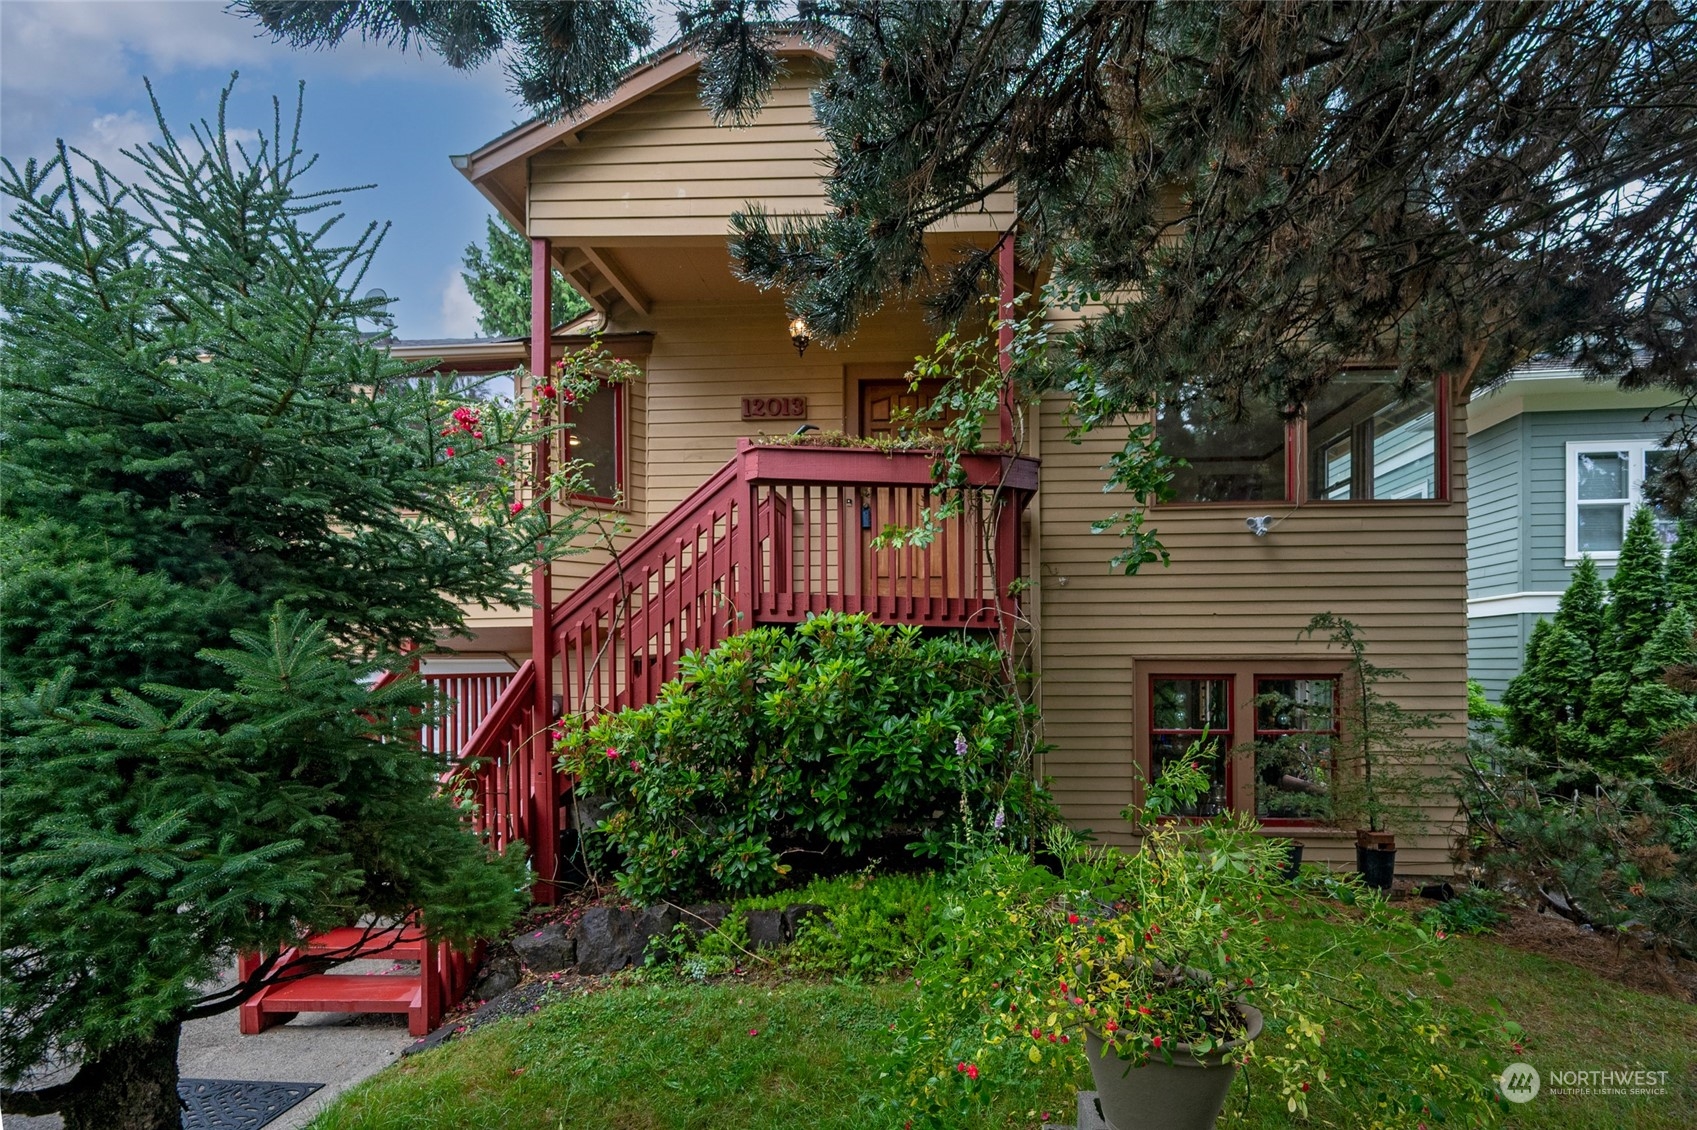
[[1164, 969]]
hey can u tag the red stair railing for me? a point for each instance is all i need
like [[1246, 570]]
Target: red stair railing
[[775, 535]]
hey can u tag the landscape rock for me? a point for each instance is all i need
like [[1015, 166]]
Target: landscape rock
[[704, 917], [542, 951], [796, 914], [500, 972], [655, 924], [607, 940], [765, 928]]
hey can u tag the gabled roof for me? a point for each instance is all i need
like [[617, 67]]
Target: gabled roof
[[499, 169]]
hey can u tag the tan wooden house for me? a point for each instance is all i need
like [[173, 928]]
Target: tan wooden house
[[1357, 509]]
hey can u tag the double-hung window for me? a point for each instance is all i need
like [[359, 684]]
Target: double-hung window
[[1605, 485]]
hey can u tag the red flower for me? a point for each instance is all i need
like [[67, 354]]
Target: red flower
[[1036, 1034], [516, 507], [612, 754], [1065, 1039], [549, 391], [1072, 919], [450, 453], [500, 461], [1155, 1041], [1144, 1011], [636, 767], [754, 1031], [1305, 1088], [972, 1071], [1110, 1026]]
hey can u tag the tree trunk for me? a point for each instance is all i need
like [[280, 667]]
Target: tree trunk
[[132, 1085]]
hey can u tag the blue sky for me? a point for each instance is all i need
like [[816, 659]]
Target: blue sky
[[74, 68]]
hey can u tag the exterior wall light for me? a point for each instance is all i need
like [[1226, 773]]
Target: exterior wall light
[[800, 336]]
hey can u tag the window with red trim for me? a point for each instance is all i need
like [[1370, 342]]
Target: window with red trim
[[1296, 732], [1359, 439], [1184, 711]]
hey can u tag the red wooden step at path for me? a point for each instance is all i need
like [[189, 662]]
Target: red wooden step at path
[[300, 981]]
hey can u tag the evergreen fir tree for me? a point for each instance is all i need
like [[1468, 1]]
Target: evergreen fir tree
[[1583, 609], [1651, 707], [1545, 704], [1682, 569], [201, 451], [498, 278], [1636, 594]]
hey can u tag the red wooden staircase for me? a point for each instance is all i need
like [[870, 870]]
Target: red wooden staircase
[[300, 979], [777, 534]]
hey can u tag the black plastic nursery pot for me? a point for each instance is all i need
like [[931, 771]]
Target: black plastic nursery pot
[[1292, 869], [1375, 858], [1186, 1094]]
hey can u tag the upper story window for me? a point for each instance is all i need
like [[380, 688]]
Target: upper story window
[[1605, 485], [597, 439], [1358, 440]]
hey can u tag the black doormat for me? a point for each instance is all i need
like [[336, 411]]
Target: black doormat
[[237, 1104]]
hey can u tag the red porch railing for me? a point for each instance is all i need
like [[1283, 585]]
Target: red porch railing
[[466, 699]]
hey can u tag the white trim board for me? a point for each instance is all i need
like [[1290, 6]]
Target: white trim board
[[1513, 604]]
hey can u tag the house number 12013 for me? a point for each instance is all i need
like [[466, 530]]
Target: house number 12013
[[774, 407]]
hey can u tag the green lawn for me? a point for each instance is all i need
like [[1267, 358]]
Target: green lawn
[[801, 1053]]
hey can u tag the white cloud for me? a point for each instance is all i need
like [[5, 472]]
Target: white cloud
[[109, 135], [457, 314], [58, 55]]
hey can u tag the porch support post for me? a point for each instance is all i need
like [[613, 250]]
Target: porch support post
[[545, 784], [1004, 332]]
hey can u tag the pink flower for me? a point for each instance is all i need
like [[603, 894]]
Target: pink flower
[[476, 435], [516, 507], [450, 453], [636, 767], [555, 734], [612, 754], [754, 1031], [500, 461]]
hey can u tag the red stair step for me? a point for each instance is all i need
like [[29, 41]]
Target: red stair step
[[342, 992], [402, 945]]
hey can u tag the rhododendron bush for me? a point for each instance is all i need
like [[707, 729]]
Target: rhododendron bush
[[823, 743]]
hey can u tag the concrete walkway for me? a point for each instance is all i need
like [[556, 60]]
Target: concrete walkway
[[333, 1049]]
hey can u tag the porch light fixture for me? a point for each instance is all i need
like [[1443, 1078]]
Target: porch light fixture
[[800, 336]]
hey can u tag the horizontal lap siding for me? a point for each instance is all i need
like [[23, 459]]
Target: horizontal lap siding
[[1496, 650], [1494, 509], [1399, 571], [707, 357], [661, 167]]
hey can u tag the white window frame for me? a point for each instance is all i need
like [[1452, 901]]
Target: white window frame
[[1635, 451]]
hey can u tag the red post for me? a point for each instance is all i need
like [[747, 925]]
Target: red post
[[1004, 333], [544, 786]]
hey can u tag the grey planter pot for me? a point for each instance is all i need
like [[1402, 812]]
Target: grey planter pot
[[1186, 1094]]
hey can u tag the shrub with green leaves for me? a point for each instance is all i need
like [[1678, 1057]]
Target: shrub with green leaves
[[827, 741]]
